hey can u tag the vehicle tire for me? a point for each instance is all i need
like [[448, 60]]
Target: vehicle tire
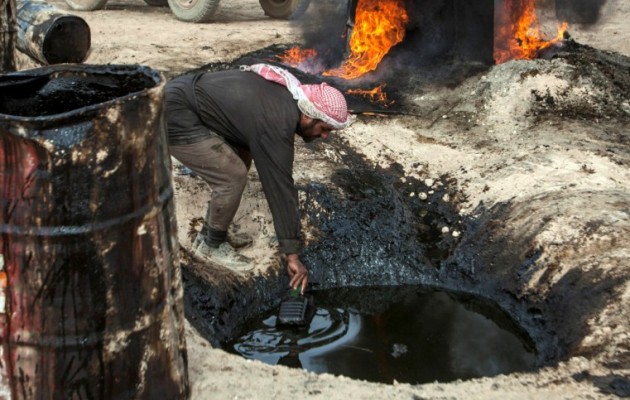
[[284, 9], [193, 10], [86, 5], [157, 3]]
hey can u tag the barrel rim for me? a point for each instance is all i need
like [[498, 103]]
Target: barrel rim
[[95, 69]]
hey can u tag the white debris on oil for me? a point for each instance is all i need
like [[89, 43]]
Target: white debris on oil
[[113, 114], [48, 146], [101, 155], [108, 173]]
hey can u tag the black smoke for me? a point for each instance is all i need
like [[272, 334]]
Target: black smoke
[[585, 12], [326, 27], [445, 40], [444, 31], [439, 35]]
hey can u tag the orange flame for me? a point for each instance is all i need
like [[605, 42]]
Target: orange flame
[[295, 56], [379, 25], [374, 95], [520, 37], [305, 60]]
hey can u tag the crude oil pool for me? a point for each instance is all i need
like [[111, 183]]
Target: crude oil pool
[[409, 334]]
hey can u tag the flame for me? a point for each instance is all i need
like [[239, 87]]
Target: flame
[[379, 25], [520, 37], [296, 56], [374, 95], [306, 60]]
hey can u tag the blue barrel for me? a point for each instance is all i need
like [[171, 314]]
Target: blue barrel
[[90, 286]]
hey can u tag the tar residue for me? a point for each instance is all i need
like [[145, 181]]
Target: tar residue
[[43, 95], [382, 334], [375, 228]]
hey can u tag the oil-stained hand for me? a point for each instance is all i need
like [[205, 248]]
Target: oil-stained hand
[[298, 274]]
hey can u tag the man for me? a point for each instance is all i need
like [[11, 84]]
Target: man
[[219, 121]]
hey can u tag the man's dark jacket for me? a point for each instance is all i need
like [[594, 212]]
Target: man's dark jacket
[[262, 116]]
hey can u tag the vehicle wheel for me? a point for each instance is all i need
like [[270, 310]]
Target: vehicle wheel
[[284, 9], [86, 5], [193, 10], [157, 3]]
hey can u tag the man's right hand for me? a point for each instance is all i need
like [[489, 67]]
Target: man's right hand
[[298, 274]]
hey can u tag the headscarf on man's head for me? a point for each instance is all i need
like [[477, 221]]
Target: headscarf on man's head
[[322, 101]]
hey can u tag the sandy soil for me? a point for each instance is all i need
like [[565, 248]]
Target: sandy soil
[[507, 154]]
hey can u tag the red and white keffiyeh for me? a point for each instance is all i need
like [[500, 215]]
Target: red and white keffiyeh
[[322, 101]]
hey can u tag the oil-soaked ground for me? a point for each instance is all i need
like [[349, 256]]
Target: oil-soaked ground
[[387, 334], [375, 226], [551, 260], [373, 229]]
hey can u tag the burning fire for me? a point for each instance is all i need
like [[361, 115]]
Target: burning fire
[[306, 60], [379, 25], [295, 56], [375, 95], [520, 36], [303, 59]]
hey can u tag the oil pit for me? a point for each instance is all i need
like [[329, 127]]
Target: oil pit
[[391, 224], [410, 335]]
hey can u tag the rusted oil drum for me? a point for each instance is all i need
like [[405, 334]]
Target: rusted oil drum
[[50, 35], [91, 297]]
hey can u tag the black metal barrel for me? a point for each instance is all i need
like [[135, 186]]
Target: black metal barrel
[[90, 287], [50, 35]]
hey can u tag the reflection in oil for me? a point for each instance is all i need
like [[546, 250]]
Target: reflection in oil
[[417, 336]]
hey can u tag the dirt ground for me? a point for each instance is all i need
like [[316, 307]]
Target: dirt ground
[[558, 182]]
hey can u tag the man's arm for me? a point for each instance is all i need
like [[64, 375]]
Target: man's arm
[[274, 162]]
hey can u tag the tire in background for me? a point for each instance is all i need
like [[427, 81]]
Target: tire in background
[[193, 10], [284, 9], [86, 5]]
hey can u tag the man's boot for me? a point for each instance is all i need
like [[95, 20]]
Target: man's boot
[[223, 254], [237, 240]]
